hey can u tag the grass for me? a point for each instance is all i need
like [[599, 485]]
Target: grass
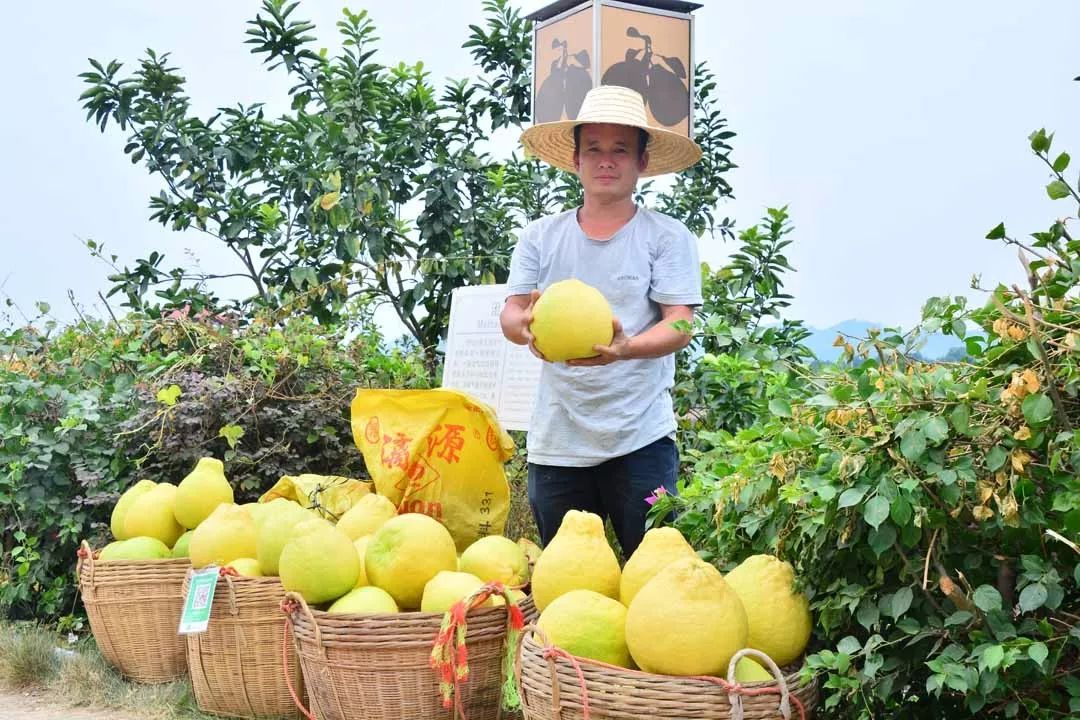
[[28, 660]]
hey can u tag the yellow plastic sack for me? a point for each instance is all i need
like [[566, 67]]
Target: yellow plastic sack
[[331, 495], [437, 452]]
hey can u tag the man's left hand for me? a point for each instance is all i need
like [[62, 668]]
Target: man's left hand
[[618, 349]]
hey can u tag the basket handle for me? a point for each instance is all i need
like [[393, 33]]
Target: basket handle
[[85, 554], [735, 697], [550, 653], [295, 601], [285, 669]]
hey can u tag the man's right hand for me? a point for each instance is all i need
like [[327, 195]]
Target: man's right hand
[[516, 320]]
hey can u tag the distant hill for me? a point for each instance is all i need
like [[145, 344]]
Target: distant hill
[[821, 340]]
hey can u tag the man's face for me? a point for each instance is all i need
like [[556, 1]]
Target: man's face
[[607, 161]]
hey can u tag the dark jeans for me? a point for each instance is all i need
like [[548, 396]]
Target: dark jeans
[[614, 489]]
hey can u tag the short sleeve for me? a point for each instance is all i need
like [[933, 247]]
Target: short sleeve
[[524, 264], [676, 271]]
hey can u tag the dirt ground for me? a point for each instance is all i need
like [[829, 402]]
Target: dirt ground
[[37, 705]]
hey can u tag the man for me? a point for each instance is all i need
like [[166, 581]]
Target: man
[[602, 432]]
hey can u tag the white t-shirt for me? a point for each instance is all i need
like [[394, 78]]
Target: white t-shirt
[[584, 416]]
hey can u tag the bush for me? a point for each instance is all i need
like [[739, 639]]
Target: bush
[[87, 410], [931, 510]]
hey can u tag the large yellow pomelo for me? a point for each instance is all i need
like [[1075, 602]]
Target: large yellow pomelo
[[569, 318], [577, 558], [686, 621], [361, 544], [589, 625], [320, 563], [496, 559], [779, 617], [368, 599], [275, 529], [366, 516], [248, 567], [136, 548], [180, 549], [405, 553], [229, 533], [446, 588], [659, 548], [151, 515], [201, 490], [133, 493]]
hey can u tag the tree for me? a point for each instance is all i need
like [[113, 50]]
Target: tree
[[313, 204]]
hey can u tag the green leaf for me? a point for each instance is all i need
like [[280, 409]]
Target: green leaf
[[1032, 597], [997, 233], [936, 430], [991, 657], [168, 396], [1061, 164], [882, 539], [960, 617], [780, 407], [232, 434], [996, 458], [1040, 141], [868, 614], [852, 496], [1038, 409], [901, 601], [849, 644], [947, 477], [987, 598], [913, 444], [876, 511], [900, 511], [1038, 652], [961, 419], [1058, 190]]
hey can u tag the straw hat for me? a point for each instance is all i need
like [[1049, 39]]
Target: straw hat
[[553, 142]]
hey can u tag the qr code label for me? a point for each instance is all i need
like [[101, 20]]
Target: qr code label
[[201, 598]]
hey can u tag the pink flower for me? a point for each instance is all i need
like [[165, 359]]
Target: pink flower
[[656, 495]]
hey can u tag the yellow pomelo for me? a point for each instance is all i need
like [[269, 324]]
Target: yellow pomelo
[[686, 621], [136, 548], [368, 599], [180, 549], [779, 617], [659, 548], [261, 511], [361, 549], [116, 521], [151, 514], [229, 533], [446, 588], [577, 558], [320, 563], [496, 559], [532, 550], [589, 625], [569, 318], [749, 670], [201, 490], [405, 553], [248, 567], [366, 516], [275, 530]]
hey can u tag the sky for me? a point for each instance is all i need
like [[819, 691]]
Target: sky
[[895, 132]]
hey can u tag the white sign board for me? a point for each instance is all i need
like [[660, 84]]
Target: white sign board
[[483, 363]]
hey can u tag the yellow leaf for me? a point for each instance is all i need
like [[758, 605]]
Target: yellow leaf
[[1010, 510], [982, 513], [1001, 328], [1031, 380], [335, 180], [1017, 333], [329, 200], [365, 209], [777, 467], [839, 341], [1019, 460], [985, 490], [1024, 433]]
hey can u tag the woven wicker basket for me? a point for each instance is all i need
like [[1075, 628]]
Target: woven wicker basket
[[134, 611], [554, 686], [237, 666], [377, 667]]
